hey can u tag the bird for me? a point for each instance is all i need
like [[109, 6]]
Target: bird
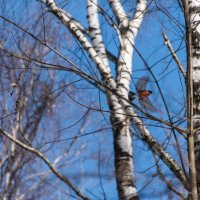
[[142, 94]]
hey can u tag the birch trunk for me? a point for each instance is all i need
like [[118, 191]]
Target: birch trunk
[[124, 168], [194, 29], [117, 90]]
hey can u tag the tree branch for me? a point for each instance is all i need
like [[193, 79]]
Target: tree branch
[[167, 182], [157, 148], [173, 53], [66, 20], [47, 162]]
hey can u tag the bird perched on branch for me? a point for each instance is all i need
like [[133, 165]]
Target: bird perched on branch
[[142, 94]]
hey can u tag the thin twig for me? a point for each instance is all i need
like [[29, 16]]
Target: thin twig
[[168, 182], [40, 155], [173, 53]]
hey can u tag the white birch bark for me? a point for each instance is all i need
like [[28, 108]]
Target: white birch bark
[[69, 22], [104, 71], [157, 149], [122, 134], [117, 92], [119, 12], [121, 112], [194, 8], [124, 67], [95, 31]]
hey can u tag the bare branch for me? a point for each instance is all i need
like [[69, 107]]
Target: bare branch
[[105, 73], [173, 53], [157, 148], [40, 155], [168, 183]]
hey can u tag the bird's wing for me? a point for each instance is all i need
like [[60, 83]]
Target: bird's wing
[[147, 104], [141, 83], [132, 96]]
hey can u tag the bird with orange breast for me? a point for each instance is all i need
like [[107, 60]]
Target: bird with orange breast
[[142, 94]]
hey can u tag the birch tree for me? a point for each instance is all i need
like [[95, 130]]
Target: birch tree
[[192, 35], [112, 74]]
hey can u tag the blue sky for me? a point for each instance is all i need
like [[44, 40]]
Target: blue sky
[[151, 45]]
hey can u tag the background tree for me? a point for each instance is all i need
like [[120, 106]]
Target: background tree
[[65, 77]]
